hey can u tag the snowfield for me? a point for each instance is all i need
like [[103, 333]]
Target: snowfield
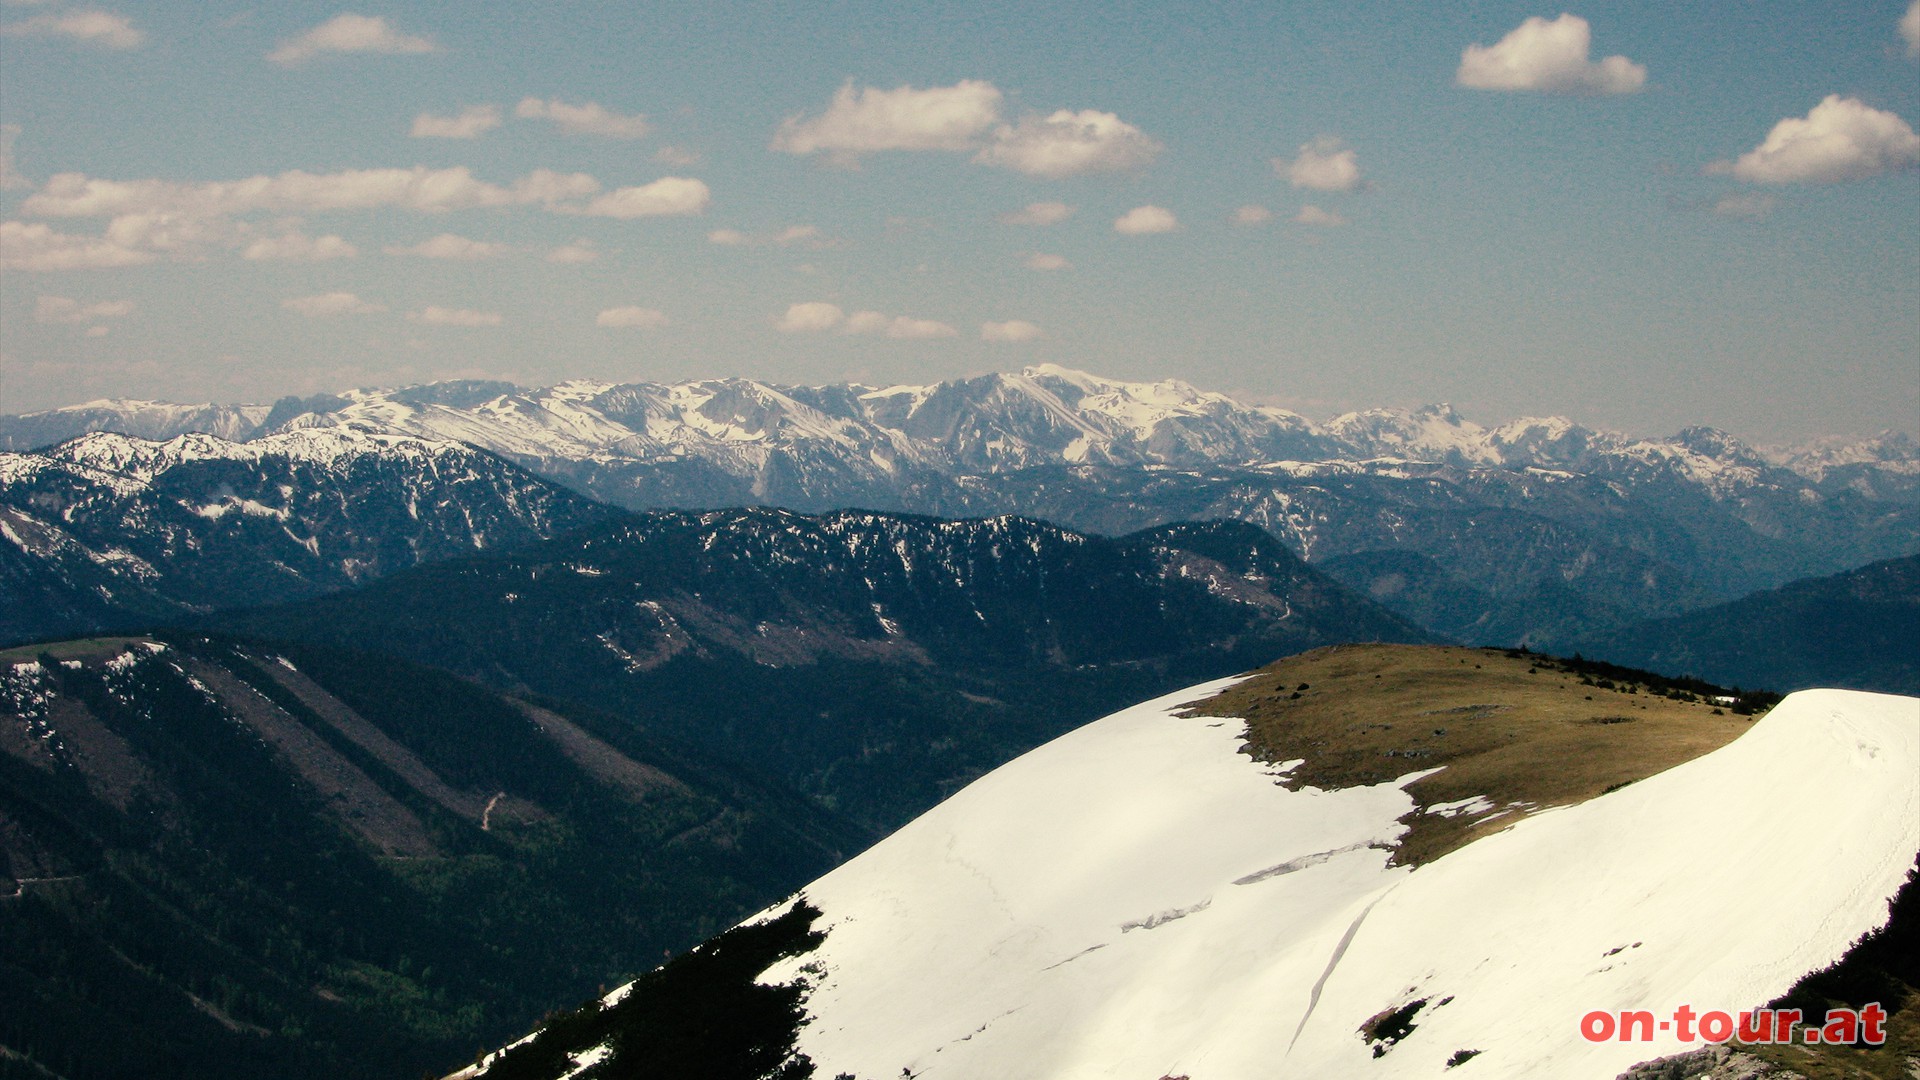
[[1140, 899]]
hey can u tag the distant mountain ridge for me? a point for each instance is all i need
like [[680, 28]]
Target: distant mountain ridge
[[1534, 531], [1042, 415], [1857, 630], [110, 531]]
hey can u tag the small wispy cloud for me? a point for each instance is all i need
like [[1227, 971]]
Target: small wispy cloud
[[435, 315], [1145, 221], [1040, 213], [350, 33], [669, 196], [1318, 218], [295, 246], [1036, 260], [101, 28], [327, 305], [590, 118], [1013, 330], [1252, 214], [66, 310], [574, 254], [1325, 164], [469, 123], [451, 247], [638, 318], [792, 235]]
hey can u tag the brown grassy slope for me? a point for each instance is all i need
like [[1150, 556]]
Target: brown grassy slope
[[1515, 729]]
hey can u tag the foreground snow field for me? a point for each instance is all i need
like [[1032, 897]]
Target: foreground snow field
[[1140, 899]]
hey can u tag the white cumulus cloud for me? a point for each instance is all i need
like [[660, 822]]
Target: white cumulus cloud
[[1325, 164], [90, 27], [1040, 261], [811, 317], [62, 309], [589, 119], [469, 123], [326, 305], [1252, 214], [295, 246], [33, 246], [1144, 220], [434, 315], [1040, 213], [1067, 143], [643, 318], [669, 196], [349, 33], [1548, 56], [1009, 331], [869, 120], [449, 246], [1840, 139], [1910, 28], [1313, 215]]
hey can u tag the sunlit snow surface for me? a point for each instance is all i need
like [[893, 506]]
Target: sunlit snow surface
[[1139, 899]]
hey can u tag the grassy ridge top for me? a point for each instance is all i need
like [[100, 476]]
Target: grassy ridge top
[[1510, 733]]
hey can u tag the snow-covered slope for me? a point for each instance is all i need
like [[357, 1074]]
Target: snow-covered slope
[[1138, 898], [1141, 898]]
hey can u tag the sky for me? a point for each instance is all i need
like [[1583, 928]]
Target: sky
[[1641, 215]]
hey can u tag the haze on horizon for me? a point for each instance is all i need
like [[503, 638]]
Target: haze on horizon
[[1636, 216]]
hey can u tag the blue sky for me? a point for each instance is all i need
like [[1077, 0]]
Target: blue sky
[[1708, 214]]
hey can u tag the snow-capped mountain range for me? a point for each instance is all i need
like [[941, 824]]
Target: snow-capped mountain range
[[1045, 415], [1534, 530], [109, 529]]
